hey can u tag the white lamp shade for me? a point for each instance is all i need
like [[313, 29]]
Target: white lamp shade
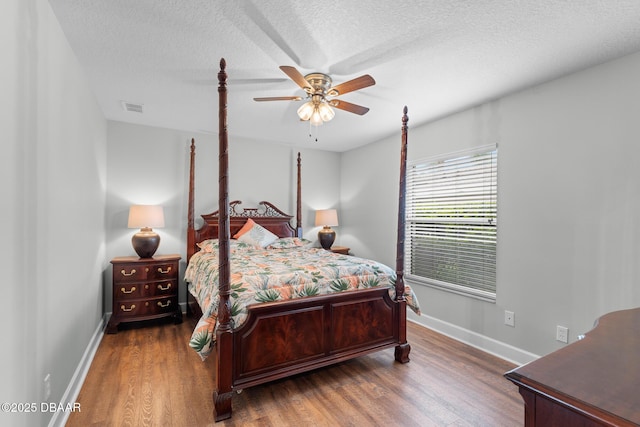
[[327, 217], [326, 112], [316, 119], [305, 111], [146, 216]]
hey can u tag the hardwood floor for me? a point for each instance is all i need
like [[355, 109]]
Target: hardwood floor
[[150, 377]]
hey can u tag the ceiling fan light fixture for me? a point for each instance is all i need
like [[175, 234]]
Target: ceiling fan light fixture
[[316, 118], [306, 110], [318, 87], [326, 112]]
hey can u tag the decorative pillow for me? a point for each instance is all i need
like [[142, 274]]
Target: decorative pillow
[[255, 235], [245, 228], [213, 245], [289, 242]]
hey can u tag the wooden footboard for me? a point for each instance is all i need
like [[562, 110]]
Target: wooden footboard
[[285, 338], [281, 339]]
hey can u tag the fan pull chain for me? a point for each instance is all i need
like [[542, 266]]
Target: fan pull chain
[[310, 135]]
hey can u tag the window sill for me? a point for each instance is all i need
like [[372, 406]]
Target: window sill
[[449, 287]]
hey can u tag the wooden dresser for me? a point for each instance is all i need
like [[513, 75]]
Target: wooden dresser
[[592, 382], [144, 289]]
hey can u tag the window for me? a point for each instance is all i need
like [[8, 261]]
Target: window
[[451, 208]]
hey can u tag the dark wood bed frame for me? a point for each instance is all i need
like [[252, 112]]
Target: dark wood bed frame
[[285, 338]]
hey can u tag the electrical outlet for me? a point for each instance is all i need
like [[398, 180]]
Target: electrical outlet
[[47, 387], [562, 334], [509, 318]]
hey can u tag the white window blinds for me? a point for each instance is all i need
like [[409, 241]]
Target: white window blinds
[[451, 209]]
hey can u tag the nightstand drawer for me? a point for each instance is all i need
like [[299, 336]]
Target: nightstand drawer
[[146, 289], [163, 271], [163, 287], [128, 291], [140, 308], [129, 273]]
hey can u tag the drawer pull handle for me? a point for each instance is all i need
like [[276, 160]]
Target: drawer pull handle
[[165, 288], [127, 309], [160, 270], [124, 273], [124, 291], [160, 304]]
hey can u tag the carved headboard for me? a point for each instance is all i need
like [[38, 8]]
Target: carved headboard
[[266, 214]]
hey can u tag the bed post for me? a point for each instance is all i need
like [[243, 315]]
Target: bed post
[[299, 200], [403, 349], [224, 342], [191, 232]]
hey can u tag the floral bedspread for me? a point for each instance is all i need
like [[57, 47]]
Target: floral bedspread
[[268, 274]]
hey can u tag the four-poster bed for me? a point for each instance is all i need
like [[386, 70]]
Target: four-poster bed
[[291, 335]]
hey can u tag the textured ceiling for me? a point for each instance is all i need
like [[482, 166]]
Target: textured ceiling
[[436, 57]]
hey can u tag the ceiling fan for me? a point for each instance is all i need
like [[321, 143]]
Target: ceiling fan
[[322, 95]]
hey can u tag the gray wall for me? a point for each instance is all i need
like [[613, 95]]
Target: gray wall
[[148, 165], [52, 185], [569, 207]]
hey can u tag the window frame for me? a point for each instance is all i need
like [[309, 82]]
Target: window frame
[[438, 228]]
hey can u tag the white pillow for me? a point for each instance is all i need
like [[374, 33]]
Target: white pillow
[[258, 235]]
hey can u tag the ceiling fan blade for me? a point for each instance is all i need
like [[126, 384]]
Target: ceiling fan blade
[[347, 106], [279, 98], [296, 76], [351, 85]]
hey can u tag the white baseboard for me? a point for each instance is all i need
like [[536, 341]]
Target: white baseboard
[[70, 395], [489, 345]]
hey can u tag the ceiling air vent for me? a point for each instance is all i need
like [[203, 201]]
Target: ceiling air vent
[[129, 106]]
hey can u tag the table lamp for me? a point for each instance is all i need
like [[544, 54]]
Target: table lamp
[[146, 217], [326, 218]]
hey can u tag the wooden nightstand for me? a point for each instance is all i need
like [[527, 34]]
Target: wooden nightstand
[[144, 289], [340, 250]]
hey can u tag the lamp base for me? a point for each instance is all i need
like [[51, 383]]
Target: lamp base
[[326, 236], [145, 242]]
